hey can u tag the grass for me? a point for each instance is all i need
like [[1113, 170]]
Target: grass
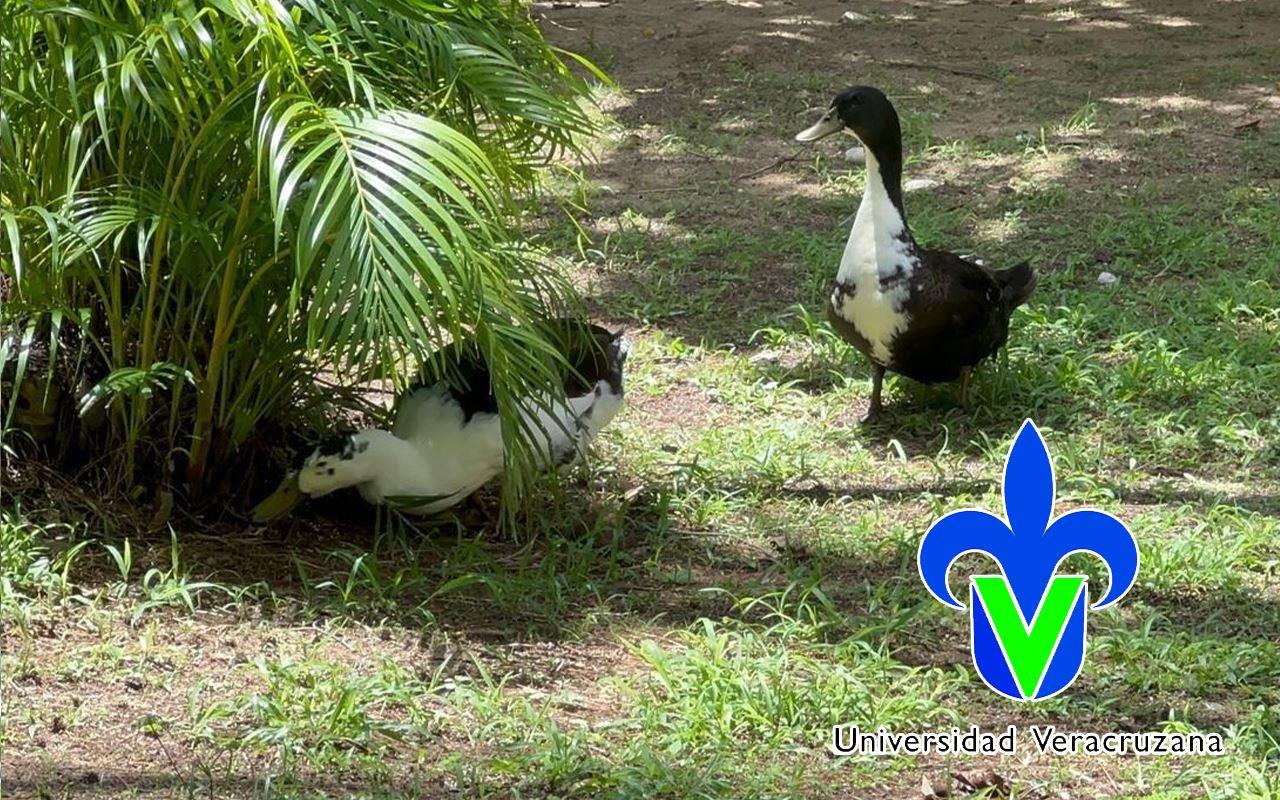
[[738, 571]]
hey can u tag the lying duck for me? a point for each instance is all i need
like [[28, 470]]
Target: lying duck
[[446, 442], [927, 314]]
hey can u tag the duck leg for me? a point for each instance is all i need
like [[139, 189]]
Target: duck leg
[[877, 384], [965, 374]]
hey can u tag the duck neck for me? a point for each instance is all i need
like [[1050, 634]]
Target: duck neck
[[879, 240]]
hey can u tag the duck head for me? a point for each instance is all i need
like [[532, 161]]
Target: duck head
[[319, 469], [865, 112]]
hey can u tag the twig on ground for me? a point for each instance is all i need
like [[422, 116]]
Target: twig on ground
[[894, 62], [550, 21], [795, 156], [686, 188], [706, 183], [734, 537]]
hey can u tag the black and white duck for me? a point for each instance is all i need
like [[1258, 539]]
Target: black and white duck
[[446, 442], [930, 315]]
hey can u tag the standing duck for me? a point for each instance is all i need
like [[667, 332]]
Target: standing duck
[[930, 315], [446, 441]]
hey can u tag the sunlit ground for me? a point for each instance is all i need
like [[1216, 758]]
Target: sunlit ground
[[737, 573]]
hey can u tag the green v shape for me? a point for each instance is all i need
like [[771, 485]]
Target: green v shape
[[1029, 647]]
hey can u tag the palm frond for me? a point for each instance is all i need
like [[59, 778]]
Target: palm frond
[[247, 193]]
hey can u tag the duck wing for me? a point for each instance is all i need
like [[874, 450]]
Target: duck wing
[[959, 314], [448, 409], [429, 403]]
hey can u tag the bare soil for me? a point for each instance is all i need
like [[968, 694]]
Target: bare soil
[[746, 74]]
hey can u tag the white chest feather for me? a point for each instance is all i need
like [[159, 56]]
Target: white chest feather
[[875, 315], [876, 268]]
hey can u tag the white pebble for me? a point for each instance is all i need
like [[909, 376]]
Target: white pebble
[[1107, 278], [916, 184], [856, 154]]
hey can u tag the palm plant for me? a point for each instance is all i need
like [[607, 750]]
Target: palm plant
[[225, 199]]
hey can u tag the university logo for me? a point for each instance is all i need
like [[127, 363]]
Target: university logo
[[1028, 623]]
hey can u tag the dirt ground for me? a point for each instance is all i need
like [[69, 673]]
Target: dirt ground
[[989, 68], [710, 94], [741, 77]]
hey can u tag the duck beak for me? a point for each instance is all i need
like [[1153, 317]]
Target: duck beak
[[284, 499], [829, 124]]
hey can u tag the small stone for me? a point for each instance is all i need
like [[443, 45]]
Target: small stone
[[854, 18], [916, 184], [1107, 278], [856, 154]]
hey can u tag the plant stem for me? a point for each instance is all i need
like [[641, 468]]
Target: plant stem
[[207, 389]]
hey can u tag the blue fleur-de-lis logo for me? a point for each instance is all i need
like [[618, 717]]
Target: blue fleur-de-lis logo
[[1028, 623]]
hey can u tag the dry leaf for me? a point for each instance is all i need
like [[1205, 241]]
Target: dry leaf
[[1248, 125], [933, 791], [979, 779]]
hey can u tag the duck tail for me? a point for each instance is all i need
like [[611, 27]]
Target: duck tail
[[1016, 284], [621, 346], [619, 349]]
